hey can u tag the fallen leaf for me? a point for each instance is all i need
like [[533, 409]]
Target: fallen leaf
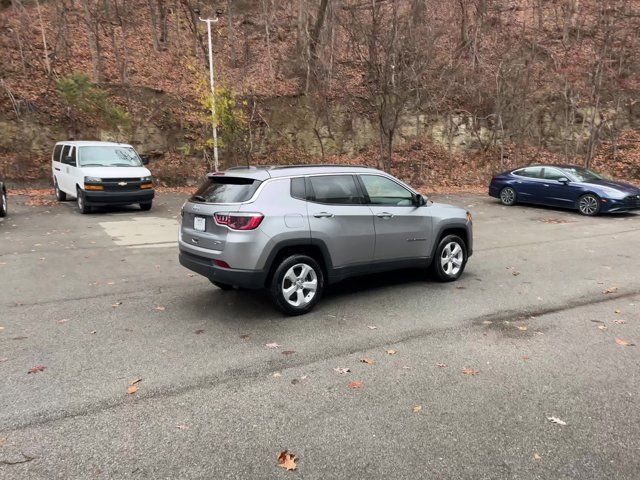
[[273, 345], [391, 352], [515, 273], [556, 420], [3, 359], [1, 328], [287, 460], [181, 426], [276, 375], [111, 283], [441, 365], [525, 358], [602, 327], [356, 384], [245, 337], [93, 332], [368, 361], [522, 328], [64, 320], [160, 308], [470, 371], [620, 322], [536, 456], [487, 322], [342, 370], [137, 380], [624, 343], [288, 352], [371, 327], [417, 408], [199, 332], [116, 305], [36, 369], [132, 389], [190, 274], [617, 310], [609, 290]]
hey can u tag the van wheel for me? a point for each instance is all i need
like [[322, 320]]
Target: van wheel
[[145, 207], [450, 259], [60, 195], [82, 203], [297, 284]]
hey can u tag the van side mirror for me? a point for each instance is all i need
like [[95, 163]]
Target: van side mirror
[[564, 180], [419, 200], [145, 159], [69, 160]]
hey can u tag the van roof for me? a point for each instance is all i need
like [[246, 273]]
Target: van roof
[[92, 143]]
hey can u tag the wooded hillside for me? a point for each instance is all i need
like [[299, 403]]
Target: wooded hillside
[[442, 93]]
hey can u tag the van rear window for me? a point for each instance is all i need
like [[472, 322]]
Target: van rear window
[[226, 190]]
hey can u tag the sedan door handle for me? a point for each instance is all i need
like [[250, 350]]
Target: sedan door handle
[[384, 215], [323, 215], [546, 184]]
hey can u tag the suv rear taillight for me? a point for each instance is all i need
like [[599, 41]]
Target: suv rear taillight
[[238, 220]]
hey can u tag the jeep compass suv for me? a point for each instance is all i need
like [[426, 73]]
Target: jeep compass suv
[[294, 229]]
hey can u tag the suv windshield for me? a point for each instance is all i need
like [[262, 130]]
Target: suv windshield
[[582, 174], [108, 156], [226, 190]]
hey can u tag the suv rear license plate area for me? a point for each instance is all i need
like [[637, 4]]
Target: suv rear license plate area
[[199, 224]]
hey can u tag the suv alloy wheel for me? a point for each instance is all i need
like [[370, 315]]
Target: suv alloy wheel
[[297, 284], [450, 258]]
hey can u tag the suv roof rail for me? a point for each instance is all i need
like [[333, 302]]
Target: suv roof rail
[[318, 165]]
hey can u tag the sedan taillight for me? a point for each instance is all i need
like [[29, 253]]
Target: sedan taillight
[[238, 220]]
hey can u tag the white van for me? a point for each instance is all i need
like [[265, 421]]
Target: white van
[[101, 173]]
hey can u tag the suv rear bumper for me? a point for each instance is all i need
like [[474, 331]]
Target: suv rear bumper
[[204, 266], [118, 198]]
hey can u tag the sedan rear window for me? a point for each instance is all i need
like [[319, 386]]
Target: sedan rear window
[[226, 190]]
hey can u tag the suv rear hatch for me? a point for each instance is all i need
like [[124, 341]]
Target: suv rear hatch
[[218, 194]]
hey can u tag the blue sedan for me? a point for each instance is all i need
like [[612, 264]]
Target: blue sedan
[[565, 186]]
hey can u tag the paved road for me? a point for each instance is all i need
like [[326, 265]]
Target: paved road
[[101, 300]]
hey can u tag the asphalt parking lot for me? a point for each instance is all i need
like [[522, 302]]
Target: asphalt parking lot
[[541, 325]]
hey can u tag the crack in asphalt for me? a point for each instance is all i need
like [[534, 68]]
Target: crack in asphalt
[[259, 371]]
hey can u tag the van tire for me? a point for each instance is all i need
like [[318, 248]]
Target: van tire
[[60, 195], [146, 206], [81, 202]]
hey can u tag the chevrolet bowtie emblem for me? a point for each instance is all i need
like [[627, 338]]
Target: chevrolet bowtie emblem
[[122, 184]]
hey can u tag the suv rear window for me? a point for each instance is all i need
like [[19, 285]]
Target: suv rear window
[[226, 190]]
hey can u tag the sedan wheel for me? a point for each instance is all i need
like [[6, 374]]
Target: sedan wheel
[[589, 205], [508, 196]]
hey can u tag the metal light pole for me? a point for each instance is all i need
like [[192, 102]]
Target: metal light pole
[[209, 21]]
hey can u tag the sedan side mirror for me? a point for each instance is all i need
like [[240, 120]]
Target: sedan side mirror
[[419, 200], [564, 180], [145, 159]]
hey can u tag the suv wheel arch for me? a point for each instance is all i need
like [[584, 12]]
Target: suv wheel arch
[[316, 249]]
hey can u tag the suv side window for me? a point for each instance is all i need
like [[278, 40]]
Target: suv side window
[[56, 153], [298, 189], [335, 189], [383, 191]]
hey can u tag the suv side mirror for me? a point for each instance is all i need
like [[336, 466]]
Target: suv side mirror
[[564, 180], [145, 159], [419, 200], [69, 160]]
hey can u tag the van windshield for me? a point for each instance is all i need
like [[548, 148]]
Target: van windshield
[[108, 156]]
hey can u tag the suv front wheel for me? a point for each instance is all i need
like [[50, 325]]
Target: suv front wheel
[[450, 258], [297, 284]]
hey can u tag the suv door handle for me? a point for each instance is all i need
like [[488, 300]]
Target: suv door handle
[[384, 215], [323, 215]]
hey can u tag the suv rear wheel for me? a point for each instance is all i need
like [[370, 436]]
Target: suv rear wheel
[[297, 284], [450, 258]]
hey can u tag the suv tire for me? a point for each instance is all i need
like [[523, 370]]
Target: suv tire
[[82, 203], [450, 259], [288, 284]]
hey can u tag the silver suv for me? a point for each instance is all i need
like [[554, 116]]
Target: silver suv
[[295, 229]]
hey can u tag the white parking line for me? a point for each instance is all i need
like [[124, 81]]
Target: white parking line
[[143, 232]]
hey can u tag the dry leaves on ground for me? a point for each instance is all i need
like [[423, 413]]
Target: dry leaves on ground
[[371, 327], [245, 337], [391, 352], [624, 343], [522, 328], [356, 384], [273, 345], [556, 420], [199, 332], [368, 361], [416, 408], [288, 352], [37, 368], [116, 305], [470, 371], [617, 310], [276, 375], [160, 308], [620, 322], [536, 456], [287, 460], [602, 327], [132, 389], [515, 273], [64, 320], [441, 365], [342, 370], [182, 426], [609, 290]]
